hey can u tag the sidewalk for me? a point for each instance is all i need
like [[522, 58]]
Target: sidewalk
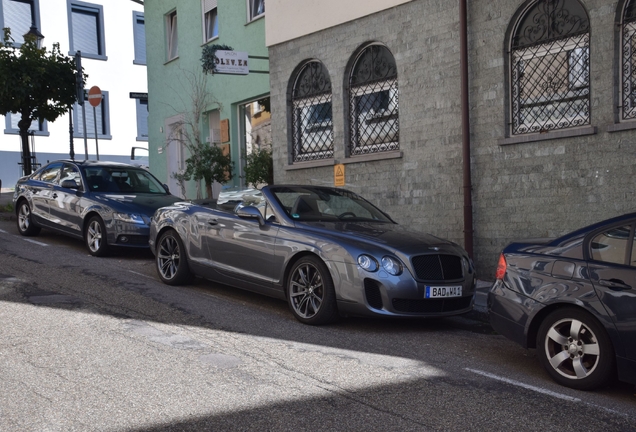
[[480, 309], [6, 197]]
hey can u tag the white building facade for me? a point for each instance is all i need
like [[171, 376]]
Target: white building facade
[[111, 38]]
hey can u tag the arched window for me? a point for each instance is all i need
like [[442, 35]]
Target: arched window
[[373, 102], [550, 67], [312, 125], [628, 69]]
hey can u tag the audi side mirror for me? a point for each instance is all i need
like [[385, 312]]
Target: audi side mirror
[[69, 184]]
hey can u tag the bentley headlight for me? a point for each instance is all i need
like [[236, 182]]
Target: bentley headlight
[[130, 218], [392, 265], [368, 263]]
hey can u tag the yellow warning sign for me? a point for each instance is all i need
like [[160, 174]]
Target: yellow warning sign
[[339, 175]]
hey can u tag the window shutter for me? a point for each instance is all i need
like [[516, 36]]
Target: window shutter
[[90, 122], [17, 16], [85, 32], [140, 39], [208, 5], [142, 119], [15, 118]]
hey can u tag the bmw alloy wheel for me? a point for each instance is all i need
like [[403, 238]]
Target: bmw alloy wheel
[[575, 349]]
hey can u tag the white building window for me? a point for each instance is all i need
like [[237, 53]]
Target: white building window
[[100, 113], [172, 35], [210, 20], [142, 119], [16, 15], [86, 29], [139, 34], [39, 128]]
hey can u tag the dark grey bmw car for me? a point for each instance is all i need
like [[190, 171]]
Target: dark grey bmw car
[[327, 251], [104, 203]]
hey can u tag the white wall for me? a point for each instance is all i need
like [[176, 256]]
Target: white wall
[[289, 19], [118, 75]]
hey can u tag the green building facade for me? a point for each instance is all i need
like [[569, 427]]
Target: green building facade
[[231, 117]]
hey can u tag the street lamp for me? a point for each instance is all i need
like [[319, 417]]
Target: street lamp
[[33, 31]]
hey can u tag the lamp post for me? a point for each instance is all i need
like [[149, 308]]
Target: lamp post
[[33, 31]]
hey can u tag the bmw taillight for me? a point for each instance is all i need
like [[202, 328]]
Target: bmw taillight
[[501, 267]]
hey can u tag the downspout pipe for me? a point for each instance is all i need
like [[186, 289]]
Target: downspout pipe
[[468, 201]]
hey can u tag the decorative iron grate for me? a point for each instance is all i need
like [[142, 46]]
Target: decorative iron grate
[[629, 61], [312, 119], [373, 102], [550, 68]]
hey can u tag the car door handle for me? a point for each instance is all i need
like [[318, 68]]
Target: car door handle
[[213, 222], [614, 284]]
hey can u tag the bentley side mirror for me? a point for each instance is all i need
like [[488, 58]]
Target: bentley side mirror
[[165, 186], [249, 212]]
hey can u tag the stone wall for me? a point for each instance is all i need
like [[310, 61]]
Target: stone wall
[[534, 189]]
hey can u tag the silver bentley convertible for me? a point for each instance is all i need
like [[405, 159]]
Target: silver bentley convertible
[[328, 251]]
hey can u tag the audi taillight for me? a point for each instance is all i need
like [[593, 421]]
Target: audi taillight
[[501, 267]]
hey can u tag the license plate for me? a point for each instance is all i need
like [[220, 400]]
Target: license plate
[[447, 291]]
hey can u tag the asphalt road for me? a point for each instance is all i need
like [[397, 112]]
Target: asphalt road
[[100, 344]]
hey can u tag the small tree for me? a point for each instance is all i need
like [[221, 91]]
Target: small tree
[[36, 84], [206, 161], [259, 167]]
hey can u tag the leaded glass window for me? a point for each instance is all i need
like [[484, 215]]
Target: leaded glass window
[[312, 122], [550, 67], [628, 70], [373, 102]]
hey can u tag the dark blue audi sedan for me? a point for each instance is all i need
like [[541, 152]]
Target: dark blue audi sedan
[[573, 299], [104, 203]]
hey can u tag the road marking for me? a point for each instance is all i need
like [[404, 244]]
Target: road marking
[[141, 274], [3, 231], [35, 242], [526, 386]]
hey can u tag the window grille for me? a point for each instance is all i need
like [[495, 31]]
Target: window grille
[[628, 71], [550, 67], [373, 102], [312, 121]]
